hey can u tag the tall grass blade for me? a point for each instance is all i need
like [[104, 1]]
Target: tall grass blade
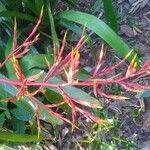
[[53, 30], [101, 29], [14, 137], [110, 14]]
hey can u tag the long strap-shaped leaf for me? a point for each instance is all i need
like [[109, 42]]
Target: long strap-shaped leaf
[[14, 137], [53, 30], [101, 29], [17, 14], [110, 14]]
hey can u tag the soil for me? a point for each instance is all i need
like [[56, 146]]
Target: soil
[[135, 30]]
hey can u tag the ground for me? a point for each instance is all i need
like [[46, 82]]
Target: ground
[[135, 29]]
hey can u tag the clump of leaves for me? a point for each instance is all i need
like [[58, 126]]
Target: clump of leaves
[[68, 65]]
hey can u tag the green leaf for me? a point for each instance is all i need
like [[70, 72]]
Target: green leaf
[[71, 26], [33, 126], [21, 114], [9, 66], [35, 61], [74, 92], [83, 74], [2, 6], [4, 95], [52, 24], [97, 7], [101, 29], [39, 4], [7, 87], [18, 125], [2, 119], [7, 114], [15, 4], [110, 14], [19, 15], [11, 90], [46, 116], [14, 137], [31, 6], [31, 61], [55, 97], [53, 4], [28, 106]]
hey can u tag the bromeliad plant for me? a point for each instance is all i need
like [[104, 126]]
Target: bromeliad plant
[[27, 88]]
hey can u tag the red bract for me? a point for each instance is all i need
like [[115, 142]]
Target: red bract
[[69, 65]]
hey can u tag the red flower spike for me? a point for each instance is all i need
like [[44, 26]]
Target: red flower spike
[[75, 56], [109, 69], [92, 117], [63, 45], [15, 35], [55, 55], [27, 41], [110, 96], [131, 89], [36, 27], [20, 95], [19, 74], [55, 105], [85, 103], [69, 101], [21, 54], [136, 85], [132, 67], [95, 88], [48, 63], [146, 66], [35, 77], [101, 55], [38, 121], [72, 103]]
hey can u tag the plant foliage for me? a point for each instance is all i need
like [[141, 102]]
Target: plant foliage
[[26, 84]]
